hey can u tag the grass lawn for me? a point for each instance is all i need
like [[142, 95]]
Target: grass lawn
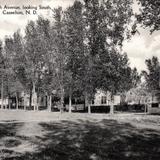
[[80, 139]]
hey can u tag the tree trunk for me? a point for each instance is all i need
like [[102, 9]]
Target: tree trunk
[[50, 104], [70, 103], [145, 109], [25, 106], [62, 103], [16, 101], [46, 101], [89, 109], [37, 103], [6, 104], [2, 93], [9, 103], [111, 108], [24, 102], [112, 105], [34, 97], [38, 99], [62, 100], [30, 98], [86, 100]]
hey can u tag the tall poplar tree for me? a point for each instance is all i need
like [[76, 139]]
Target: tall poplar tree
[[2, 71], [74, 33], [106, 28], [60, 51]]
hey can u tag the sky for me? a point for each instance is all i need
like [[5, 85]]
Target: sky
[[139, 47]]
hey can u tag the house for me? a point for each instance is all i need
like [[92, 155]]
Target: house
[[154, 104], [23, 101], [5, 102], [105, 99], [101, 100], [139, 96]]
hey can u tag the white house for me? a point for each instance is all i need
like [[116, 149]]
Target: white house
[[104, 98]]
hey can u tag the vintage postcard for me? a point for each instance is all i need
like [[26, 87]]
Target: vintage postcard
[[79, 80]]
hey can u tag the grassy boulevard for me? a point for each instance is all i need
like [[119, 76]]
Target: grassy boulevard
[[52, 136]]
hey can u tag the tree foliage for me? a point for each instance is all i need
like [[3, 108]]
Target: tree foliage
[[149, 14], [106, 26], [74, 35], [77, 53], [152, 75]]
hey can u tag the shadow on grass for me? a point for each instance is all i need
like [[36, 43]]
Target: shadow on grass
[[9, 129], [85, 140]]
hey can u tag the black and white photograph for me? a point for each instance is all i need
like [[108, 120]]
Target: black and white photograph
[[80, 80]]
